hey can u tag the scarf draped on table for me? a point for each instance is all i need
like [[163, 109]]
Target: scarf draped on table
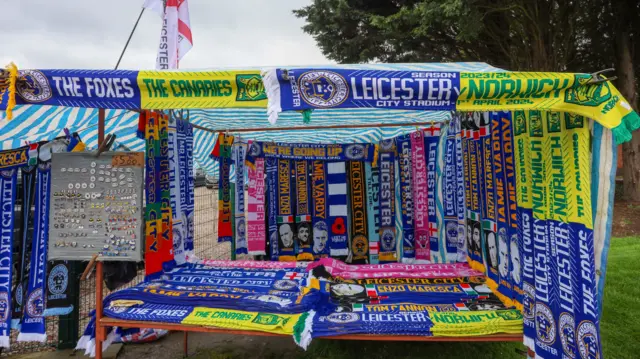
[[256, 218], [238, 153], [304, 237], [405, 164], [248, 264], [419, 179], [272, 210], [286, 223], [431, 137], [387, 202], [372, 176], [166, 242], [222, 152], [337, 195], [320, 208], [359, 246]]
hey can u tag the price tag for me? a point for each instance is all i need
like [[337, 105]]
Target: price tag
[[131, 159]]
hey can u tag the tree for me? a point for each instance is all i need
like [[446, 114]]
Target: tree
[[519, 35]]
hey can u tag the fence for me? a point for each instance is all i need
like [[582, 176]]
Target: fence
[[63, 332]]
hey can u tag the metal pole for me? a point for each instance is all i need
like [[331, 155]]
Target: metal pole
[[100, 127], [303, 128], [129, 39]]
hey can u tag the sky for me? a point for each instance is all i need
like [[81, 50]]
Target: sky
[[90, 34]]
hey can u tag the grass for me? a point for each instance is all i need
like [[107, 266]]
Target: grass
[[620, 325]]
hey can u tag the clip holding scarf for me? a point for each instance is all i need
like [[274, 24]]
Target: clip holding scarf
[[598, 77]]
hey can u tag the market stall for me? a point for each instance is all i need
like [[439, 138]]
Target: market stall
[[487, 221]]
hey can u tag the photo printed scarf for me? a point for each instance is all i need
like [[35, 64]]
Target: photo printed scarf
[[33, 323], [256, 216], [8, 189], [166, 243], [431, 137], [320, 207], [272, 203], [286, 223], [337, 194], [177, 190], [405, 164], [304, 238], [387, 202], [359, 246], [525, 223], [474, 225], [419, 179], [372, 175], [238, 153]]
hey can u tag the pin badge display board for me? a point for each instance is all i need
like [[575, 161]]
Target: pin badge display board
[[96, 206]]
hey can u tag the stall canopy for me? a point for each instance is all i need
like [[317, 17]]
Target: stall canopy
[[36, 123]]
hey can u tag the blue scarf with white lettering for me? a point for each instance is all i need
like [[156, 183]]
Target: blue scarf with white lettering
[[187, 158], [403, 146], [238, 152], [373, 214], [431, 137], [461, 207], [450, 197], [33, 322], [177, 190], [8, 184], [387, 174], [271, 165]]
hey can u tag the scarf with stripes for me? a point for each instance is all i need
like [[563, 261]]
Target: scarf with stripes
[[359, 246], [304, 238], [405, 167], [238, 153], [373, 213], [337, 195], [166, 244], [387, 202], [177, 190], [222, 152], [153, 215], [256, 216], [320, 209], [440, 256], [461, 207]]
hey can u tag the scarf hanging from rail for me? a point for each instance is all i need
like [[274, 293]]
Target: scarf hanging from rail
[[312, 151], [387, 232], [372, 176], [419, 182], [238, 153], [185, 162], [175, 192], [359, 239], [8, 184], [431, 137], [153, 215], [256, 216], [398, 212], [337, 195], [164, 180], [405, 167], [57, 296], [449, 198], [460, 189], [271, 165], [439, 256], [286, 223], [304, 238], [222, 153], [474, 226], [320, 208]]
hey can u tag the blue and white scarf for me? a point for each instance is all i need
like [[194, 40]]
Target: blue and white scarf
[[238, 153], [177, 189], [387, 174], [190, 215], [431, 138], [8, 189], [272, 202], [337, 194], [405, 166], [373, 214], [461, 207], [33, 322]]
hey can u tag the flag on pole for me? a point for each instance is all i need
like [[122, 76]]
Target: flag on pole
[[175, 37]]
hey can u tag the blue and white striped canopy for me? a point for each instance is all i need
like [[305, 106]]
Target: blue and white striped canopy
[[33, 123]]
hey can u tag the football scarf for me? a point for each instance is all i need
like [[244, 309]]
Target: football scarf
[[286, 224], [337, 195], [449, 196], [242, 320], [545, 305], [431, 137], [25, 238], [460, 190], [166, 243], [576, 153], [33, 323], [312, 151], [514, 277], [405, 164], [222, 153], [250, 264], [419, 186], [359, 246], [304, 238], [189, 208], [387, 231], [153, 216], [176, 190], [272, 203], [238, 152], [320, 207], [440, 256], [525, 223], [256, 218], [8, 189], [57, 297], [474, 229], [503, 288], [373, 213], [398, 211]]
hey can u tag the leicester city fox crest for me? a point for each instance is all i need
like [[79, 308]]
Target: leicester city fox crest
[[34, 86], [323, 89]]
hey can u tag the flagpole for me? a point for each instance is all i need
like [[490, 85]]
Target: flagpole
[[129, 39]]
